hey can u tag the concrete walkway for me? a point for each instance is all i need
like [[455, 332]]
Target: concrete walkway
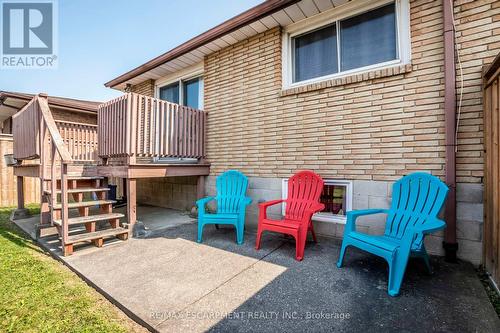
[[172, 284]]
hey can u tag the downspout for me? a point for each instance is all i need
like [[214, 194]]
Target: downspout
[[450, 244]]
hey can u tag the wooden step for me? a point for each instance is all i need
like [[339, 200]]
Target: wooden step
[[96, 235], [70, 177], [91, 218], [81, 190], [86, 203]]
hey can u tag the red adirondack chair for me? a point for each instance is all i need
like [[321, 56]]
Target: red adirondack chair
[[304, 190]]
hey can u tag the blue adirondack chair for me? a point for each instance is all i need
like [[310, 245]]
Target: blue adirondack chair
[[231, 204], [416, 202]]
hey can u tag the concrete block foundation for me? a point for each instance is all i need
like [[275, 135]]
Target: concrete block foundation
[[377, 194]]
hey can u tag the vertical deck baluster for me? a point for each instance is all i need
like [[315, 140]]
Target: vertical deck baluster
[[176, 130], [185, 115], [128, 114], [168, 125]]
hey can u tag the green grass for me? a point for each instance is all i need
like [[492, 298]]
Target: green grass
[[39, 294]]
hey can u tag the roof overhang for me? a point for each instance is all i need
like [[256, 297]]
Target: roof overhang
[[12, 102], [270, 14]]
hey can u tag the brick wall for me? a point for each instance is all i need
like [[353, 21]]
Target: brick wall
[[372, 129], [74, 116], [145, 88], [478, 31]]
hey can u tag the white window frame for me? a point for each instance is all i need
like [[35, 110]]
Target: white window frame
[[180, 77], [335, 15], [324, 217]]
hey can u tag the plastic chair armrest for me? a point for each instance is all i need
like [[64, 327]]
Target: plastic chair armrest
[[263, 207], [270, 203], [201, 204], [431, 226], [354, 214]]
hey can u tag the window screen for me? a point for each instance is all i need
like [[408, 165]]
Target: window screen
[[365, 39], [315, 54], [191, 93], [369, 38], [170, 93]]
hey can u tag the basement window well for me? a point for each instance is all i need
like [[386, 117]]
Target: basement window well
[[336, 196]]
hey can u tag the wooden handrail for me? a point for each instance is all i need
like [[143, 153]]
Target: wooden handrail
[[56, 138], [57, 147]]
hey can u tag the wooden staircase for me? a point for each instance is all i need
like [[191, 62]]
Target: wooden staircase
[[67, 168], [86, 193]]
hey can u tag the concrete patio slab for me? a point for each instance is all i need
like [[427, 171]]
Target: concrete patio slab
[[170, 283], [149, 220]]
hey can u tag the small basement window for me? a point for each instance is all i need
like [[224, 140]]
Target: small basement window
[[336, 196]]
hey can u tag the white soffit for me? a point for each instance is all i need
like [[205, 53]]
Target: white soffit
[[284, 17]]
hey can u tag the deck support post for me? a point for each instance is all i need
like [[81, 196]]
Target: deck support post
[[131, 203], [20, 192], [20, 212], [44, 205], [200, 187]]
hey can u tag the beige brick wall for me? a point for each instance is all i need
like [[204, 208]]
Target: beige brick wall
[[376, 126], [145, 88], [74, 116], [373, 129], [478, 39]]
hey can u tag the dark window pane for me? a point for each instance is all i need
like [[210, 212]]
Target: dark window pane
[[191, 93], [334, 198], [369, 38], [170, 93], [315, 54]]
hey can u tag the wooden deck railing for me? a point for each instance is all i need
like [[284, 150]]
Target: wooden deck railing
[[25, 130], [80, 140], [134, 125]]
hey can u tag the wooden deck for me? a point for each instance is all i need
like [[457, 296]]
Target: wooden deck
[[133, 128], [134, 138], [35, 170]]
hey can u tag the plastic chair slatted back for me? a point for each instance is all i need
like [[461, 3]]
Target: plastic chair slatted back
[[415, 199], [231, 188], [304, 190]]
